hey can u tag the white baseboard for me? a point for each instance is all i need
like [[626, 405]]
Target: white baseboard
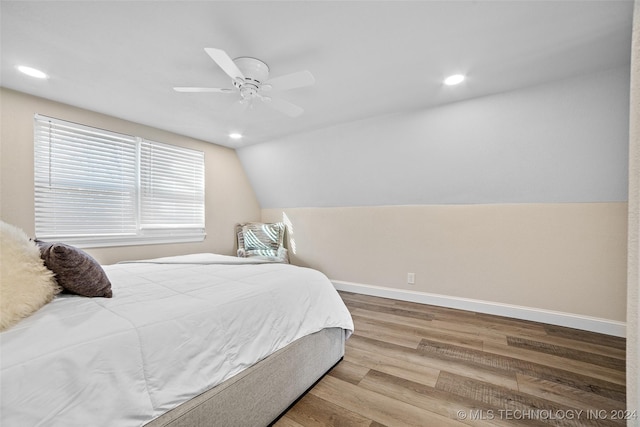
[[587, 323]]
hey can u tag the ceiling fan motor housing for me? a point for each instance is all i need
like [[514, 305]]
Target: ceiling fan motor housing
[[255, 72], [250, 77]]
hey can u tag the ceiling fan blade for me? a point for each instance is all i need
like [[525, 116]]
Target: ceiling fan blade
[[225, 62], [202, 89], [292, 81], [283, 106]]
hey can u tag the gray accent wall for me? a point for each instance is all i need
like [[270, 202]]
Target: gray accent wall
[[564, 141]]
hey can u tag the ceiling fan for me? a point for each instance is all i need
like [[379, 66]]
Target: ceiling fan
[[250, 78]]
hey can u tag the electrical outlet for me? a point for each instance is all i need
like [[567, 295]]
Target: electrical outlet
[[411, 278]]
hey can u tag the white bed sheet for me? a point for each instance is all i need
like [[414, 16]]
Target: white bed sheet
[[175, 327]]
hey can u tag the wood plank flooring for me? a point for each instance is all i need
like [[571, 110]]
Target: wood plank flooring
[[411, 364]]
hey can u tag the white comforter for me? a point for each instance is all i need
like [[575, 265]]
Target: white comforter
[[174, 328]]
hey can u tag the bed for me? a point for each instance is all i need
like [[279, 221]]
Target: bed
[[194, 340]]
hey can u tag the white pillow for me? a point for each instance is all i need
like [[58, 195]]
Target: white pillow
[[25, 283]]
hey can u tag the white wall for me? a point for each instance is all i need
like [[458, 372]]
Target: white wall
[[633, 283], [565, 141]]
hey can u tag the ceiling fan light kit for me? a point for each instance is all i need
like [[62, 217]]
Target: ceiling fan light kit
[[249, 77]]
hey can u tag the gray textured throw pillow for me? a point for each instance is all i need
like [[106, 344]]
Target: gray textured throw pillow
[[76, 271]]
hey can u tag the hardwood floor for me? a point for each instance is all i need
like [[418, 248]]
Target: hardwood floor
[[410, 364]]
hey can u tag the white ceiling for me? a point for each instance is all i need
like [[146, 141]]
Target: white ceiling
[[369, 58]]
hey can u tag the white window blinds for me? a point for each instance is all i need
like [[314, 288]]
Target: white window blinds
[[99, 188], [172, 187]]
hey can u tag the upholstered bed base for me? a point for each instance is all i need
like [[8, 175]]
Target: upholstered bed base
[[259, 394]]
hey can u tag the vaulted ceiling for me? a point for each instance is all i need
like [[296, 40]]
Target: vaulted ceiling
[[369, 58]]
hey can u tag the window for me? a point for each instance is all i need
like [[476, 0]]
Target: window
[[100, 188]]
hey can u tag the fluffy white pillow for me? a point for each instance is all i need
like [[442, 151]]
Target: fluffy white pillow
[[25, 283]]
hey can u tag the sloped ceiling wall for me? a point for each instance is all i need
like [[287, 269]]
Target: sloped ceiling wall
[[517, 198], [566, 141]]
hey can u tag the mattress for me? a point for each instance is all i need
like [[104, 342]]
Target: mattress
[[257, 396], [175, 328]]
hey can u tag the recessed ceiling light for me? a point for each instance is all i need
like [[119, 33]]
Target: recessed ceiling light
[[454, 80], [32, 72], [235, 135]]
